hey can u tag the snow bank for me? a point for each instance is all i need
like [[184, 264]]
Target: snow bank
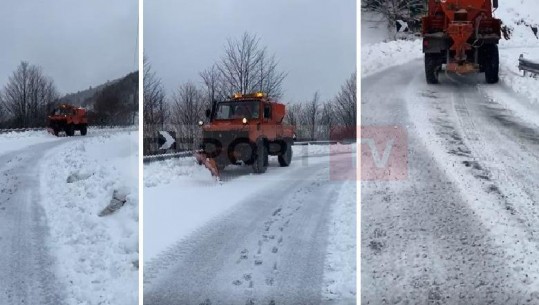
[[519, 16], [97, 256], [379, 56], [340, 267], [374, 28], [13, 141]]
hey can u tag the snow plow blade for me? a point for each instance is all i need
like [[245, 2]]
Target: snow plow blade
[[209, 163]]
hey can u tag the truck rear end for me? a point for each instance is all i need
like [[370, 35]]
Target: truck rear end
[[461, 36]]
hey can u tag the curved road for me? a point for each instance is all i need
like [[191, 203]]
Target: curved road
[[26, 266], [463, 227], [269, 249]]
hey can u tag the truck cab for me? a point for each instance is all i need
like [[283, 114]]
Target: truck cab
[[246, 129], [68, 118]]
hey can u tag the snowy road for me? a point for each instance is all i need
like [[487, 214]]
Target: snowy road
[[32, 210], [269, 248], [26, 266], [463, 227]]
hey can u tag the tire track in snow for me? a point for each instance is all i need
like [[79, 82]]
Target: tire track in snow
[[27, 272], [269, 249]]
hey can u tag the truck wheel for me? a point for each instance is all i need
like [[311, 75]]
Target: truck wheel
[[70, 130], [260, 164], [286, 158], [55, 131], [492, 64], [83, 130], [432, 68]]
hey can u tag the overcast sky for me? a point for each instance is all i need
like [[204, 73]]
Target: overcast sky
[[314, 41], [79, 43]]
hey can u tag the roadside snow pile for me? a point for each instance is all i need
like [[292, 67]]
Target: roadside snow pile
[[98, 256], [521, 16], [13, 141], [374, 28], [166, 171], [340, 266], [383, 55]]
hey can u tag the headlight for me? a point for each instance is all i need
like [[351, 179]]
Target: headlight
[[200, 123], [244, 120]]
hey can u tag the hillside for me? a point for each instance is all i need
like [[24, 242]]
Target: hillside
[[112, 103]]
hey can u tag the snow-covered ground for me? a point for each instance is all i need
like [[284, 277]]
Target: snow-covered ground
[[380, 50], [167, 183], [340, 275], [13, 141], [183, 205], [51, 192], [98, 256]]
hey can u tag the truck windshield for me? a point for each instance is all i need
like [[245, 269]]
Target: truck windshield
[[237, 110], [62, 111]]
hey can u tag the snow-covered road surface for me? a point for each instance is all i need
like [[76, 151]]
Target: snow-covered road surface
[[268, 246], [27, 273], [463, 227], [49, 239]]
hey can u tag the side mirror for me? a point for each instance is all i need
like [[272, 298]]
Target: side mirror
[[495, 3], [208, 113]]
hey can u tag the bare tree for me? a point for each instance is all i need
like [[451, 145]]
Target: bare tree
[[2, 111], [154, 105], [188, 109], [27, 96], [327, 120], [311, 115], [214, 85], [346, 102], [154, 98], [393, 10], [246, 67]]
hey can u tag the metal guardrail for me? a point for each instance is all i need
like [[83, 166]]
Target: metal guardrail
[[527, 65], [185, 154], [6, 130]]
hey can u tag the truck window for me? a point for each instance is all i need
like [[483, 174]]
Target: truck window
[[237, 110]]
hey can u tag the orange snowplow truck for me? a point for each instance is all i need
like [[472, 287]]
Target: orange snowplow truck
[[245, 129], [461, 36], [68, 118]]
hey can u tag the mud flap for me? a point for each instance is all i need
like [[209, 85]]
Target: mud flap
[[209, 163]]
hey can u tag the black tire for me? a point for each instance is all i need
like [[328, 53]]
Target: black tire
[[492, 64], [285, 158], [260, 164], [432, 68], [55, 131], [83, 130], [70, 130]]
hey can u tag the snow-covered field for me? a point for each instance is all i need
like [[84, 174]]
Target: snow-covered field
[[183, 203], [97, 256]]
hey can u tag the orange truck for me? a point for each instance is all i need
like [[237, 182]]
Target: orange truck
[[68, 118], [245, 129], [461, 36]]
